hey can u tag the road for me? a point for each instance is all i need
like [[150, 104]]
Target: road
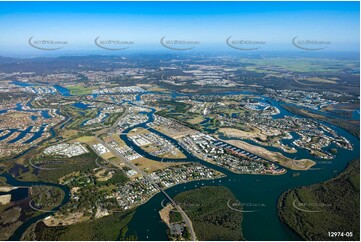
[[186, 219]]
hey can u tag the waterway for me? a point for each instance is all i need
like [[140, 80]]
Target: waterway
[[17, 194], [37, 134], [22, 84], [263, 224], [356, 114], [62, 90], [13, 182], [81, 105]]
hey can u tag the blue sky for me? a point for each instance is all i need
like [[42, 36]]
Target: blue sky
[[210, 23]]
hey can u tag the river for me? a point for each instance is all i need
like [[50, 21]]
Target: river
[[13, 182], [259, 191], [254, 190]]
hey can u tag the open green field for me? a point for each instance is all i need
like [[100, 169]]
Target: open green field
[[78, 117], [80, 90], [298, 65], [112, 118]]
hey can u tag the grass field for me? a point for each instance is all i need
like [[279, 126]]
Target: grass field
[[87, 139], [149, 166], [80, 90]]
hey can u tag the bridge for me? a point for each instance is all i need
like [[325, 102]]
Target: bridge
[[186, 219]]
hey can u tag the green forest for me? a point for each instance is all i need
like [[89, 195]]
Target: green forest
[[211, 217], [332, 205]]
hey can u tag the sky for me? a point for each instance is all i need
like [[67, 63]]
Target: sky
[[206, 24]]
